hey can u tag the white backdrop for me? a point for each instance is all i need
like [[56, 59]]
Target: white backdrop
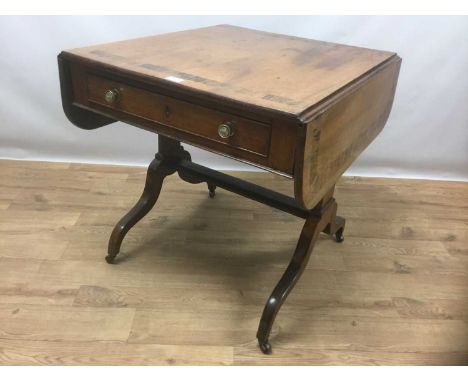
[[426, 135]]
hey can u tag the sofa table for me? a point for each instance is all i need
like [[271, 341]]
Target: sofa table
[[304, 109]]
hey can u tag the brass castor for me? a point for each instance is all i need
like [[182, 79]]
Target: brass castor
[[110, 259], [339, 235], [265, 347], [211, 190]]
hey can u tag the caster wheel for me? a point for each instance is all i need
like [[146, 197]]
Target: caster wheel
[[339, 236], [211, 190], [110, 259], [265, 347]]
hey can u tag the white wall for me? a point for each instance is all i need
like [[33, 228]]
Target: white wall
[[425, 136]]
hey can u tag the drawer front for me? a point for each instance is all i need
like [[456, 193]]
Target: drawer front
[[240, 133]]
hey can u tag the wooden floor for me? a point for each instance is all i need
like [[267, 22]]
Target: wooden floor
[[196, 272]]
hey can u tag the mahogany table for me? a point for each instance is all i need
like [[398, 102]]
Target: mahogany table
[[301, 108]]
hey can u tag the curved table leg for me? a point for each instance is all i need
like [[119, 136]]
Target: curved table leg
[[309, 234], [195, 180], [157, 171], [336, 226]]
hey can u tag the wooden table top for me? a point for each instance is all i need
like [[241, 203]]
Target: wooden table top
[[284, 73], [302, 108]]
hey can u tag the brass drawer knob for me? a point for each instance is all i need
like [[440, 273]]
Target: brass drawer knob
[[112, 96], [226, 130]]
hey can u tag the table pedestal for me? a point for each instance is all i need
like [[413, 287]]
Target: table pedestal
[[172, 158]]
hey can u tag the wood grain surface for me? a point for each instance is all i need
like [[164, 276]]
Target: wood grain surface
[[300, 107], [336, 137], [395, 292], [249, 135], [280, 72]]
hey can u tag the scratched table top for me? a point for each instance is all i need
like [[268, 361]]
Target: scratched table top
[[285, 73]]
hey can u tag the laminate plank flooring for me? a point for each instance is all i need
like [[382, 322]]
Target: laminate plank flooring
[[194, 274]]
